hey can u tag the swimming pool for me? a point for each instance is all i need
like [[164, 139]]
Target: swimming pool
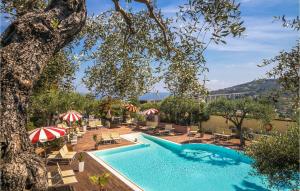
[[159, 165]]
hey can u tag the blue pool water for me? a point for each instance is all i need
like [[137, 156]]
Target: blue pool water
[[159, 165]]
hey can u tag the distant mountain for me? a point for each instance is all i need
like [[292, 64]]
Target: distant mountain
[[256, 87], [267, 88]]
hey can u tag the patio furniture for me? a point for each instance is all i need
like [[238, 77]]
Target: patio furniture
[[150, 127], [65, 173], [115, 136], [95, 124], [193, 130], [167, 129], [62, 155], [63, 178], [98, 124], [226, 134], [79, 133], [105, 137]]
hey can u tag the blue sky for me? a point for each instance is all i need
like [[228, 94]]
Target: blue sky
[[236, 62]]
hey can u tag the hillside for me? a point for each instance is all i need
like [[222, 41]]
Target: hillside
[[256, 87], [267, 88]]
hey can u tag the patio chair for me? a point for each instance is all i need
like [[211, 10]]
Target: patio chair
[[105, 137], [92, 125], [150, 127], [167, 129], [193, 130], [65, 173], [79, 133], [66, 150], [98, 124], [61, 179], [62, 155], [115, 136]]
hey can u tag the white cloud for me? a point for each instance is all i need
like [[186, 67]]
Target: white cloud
[[261, 35]]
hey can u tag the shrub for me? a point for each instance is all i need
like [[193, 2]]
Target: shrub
[[183, 111], [277, 158]]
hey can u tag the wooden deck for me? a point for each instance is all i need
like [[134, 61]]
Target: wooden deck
[[92, 167]]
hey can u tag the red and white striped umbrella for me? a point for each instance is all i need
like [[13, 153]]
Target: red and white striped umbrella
[[131, 108], [150, 111], [45, 134], [71, 116]]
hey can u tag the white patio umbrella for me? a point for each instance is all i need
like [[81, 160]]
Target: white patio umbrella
[[150, 111], [71, 116], [45, 134]]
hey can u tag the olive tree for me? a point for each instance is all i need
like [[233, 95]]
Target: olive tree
[[238, 109]]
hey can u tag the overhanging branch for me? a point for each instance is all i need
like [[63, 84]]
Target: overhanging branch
[[161, 25], [152, 15], [124, 14]]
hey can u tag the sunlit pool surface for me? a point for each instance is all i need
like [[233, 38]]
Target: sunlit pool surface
[[159, 165]]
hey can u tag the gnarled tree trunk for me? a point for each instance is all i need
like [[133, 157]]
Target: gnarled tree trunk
[[26, 47]]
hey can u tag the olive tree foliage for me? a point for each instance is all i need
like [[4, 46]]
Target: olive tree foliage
[[58, 74], [237, 110], [122, 61], [130, 57], [277, 158], [182, 110], [286, 65]]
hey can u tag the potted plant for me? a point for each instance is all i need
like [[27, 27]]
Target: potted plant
[[96, 141], [81, 162], [100, 180]]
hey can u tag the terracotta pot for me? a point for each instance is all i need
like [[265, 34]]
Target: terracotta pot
[[268, 127]]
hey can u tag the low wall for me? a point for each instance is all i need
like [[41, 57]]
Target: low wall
[[256, 125], [218, 122]]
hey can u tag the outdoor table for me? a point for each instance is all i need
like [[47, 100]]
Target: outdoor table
[[216, 135]]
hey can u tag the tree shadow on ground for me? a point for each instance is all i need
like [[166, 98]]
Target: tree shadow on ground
[[249, 186]]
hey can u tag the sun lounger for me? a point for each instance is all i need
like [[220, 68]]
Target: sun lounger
[[63, 178], [105, 137], [115, 136], [65, 173], [64, 154], [67, 152]]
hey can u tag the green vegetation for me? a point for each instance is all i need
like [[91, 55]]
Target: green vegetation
[[100, 180], [264, 89], [80, 157], [286, 65], [277, 157], [237, 110], [46, 106], [181, 110]]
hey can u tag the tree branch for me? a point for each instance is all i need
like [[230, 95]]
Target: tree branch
[[161, 25], [124, 14]]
